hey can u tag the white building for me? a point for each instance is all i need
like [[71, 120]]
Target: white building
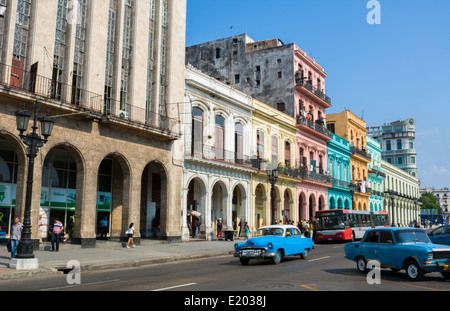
[[217, 172], [401, 195], [442, 196]]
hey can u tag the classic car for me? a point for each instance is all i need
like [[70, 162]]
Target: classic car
[[400, 248], [274, 242], [440, 235]]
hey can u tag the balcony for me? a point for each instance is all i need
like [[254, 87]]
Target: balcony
[[303, 174], [315, 92], [31, 86], [314, 128], [377, 172], [206, 152], [360, 152]]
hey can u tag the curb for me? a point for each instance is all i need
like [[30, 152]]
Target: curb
[[101, 267]]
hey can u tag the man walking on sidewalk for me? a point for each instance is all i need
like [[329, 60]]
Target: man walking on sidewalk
[[56, 234], [16, 236]]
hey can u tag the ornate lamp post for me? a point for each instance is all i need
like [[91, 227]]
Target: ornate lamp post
[[352, 187], [273, 176], [33, 141]]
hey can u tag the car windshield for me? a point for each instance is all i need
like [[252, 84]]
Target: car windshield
[[270, 231], [411, 236]]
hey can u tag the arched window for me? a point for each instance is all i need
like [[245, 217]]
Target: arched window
[[197, 131]]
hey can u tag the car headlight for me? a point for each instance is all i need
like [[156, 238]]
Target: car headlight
[[270, 245], [236, 246], [430, 256]]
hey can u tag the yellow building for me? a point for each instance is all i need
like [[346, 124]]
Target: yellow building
[[352, 128], [274, 142]]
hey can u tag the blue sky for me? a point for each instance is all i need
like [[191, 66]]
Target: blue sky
[[387, 72]]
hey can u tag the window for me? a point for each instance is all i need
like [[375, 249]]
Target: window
[[237, 79], [197, 131], [280, 74], [386, 237], [220, 138], [389, 160], [388, 145], [287, 154], [411, 144], [274, 150], [279, 61], [218, 53], [281, 107], [260, 144], [399, 160], [78, 60], [126, 55], [372, 237], [59, 51], [239, 143], [399, 144]]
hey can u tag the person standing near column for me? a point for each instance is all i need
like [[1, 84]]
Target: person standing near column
[[16, 236], [56, 234]]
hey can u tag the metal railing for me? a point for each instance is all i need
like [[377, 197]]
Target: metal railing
[[207, 152], [360, 152], [313, 125], [14, 78], [303, 173], [307, 84], [376, 171]]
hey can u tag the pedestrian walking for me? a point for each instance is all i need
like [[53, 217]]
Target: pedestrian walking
[[56, 234], [130, 231], [247, 229], [104, 228], [219, 228], [16, 236]]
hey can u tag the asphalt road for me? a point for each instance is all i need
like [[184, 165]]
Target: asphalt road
[[325, 269]]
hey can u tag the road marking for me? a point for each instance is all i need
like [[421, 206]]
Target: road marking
[[309, 287], [318, 258], [172, 287], [78, 285]]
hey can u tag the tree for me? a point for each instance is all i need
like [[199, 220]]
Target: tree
[[429, 201]]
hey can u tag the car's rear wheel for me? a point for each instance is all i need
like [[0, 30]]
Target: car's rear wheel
[[304, 254], [361, 264], [414, 271], [277, 259]]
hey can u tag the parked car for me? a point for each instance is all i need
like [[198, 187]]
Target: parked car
[[400, 248], [274, 242], [440, 235]]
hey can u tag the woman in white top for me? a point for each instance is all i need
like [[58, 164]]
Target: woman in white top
[[130, 231]]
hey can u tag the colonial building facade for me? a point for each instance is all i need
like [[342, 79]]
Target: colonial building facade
[[401, 195], [115, 150], [217, 171]]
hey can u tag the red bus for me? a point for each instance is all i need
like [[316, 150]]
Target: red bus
[[347, 225]]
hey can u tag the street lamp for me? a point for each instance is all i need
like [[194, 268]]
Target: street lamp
[[33, 141], [352, 188], [273, 176]]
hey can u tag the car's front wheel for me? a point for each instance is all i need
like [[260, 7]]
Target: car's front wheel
[[361, 264], [244, 261], [277, 259], [414, 271]]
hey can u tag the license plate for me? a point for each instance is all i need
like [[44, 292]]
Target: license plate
[[329, 239]]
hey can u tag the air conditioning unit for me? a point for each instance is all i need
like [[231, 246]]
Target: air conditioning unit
[[123, 114]]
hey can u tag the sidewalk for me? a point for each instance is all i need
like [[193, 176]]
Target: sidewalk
[[112, 255]]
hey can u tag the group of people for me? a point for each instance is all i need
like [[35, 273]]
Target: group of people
[[194, 226], [16, 235]]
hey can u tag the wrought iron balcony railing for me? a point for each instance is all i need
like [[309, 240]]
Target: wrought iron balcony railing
[[307, 84], [315, 126]]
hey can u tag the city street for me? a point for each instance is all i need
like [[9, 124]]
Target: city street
[[325, 269]]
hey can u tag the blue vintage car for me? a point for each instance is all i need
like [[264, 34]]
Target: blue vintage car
[[400, 248], [274, 242], [440, 235]]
